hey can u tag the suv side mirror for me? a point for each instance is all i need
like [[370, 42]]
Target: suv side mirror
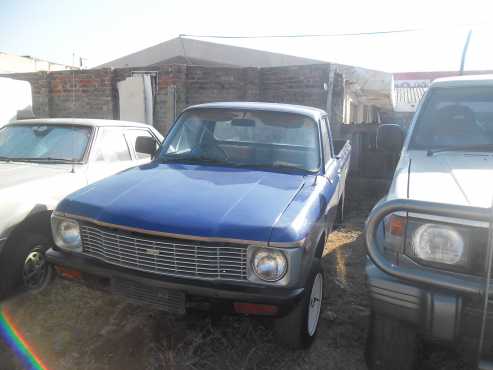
[[390, 138], [145, 145]]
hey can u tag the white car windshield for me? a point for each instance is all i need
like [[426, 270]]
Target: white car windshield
[[44, 142], [456, 118], [270, 140]]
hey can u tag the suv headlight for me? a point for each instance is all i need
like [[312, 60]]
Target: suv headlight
[[269, 264], [438, 244], [66, 233], [448, 246]]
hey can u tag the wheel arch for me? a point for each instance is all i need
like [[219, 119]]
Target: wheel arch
[[320, 245], [37, 221]]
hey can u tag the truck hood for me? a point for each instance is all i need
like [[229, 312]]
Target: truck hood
[[451, 177], [205, 201]]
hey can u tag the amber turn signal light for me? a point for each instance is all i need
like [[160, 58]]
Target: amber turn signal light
[[397, 225]]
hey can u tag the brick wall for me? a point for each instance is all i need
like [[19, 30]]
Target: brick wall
[[295, 85], [207, 84], [81, 94], [94, 93]]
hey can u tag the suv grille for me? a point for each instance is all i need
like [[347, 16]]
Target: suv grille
[[165, 256]]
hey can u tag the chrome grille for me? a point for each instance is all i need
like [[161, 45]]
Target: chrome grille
[[164, 256]]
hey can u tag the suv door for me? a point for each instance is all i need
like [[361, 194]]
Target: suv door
[[110, 154]]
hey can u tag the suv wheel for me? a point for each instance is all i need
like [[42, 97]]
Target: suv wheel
[[298, 329], [391, 345]]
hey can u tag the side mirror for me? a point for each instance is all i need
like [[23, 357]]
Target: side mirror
[[390, 138], [145, 145]]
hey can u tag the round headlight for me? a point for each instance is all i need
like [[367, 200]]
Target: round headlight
[[269, 264], [69, 233], [439, 244]]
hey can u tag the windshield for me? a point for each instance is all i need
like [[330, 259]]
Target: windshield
[[455, 117], [44, 142], [272, 140]]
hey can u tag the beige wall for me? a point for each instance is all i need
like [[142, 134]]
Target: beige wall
[[10, 63]]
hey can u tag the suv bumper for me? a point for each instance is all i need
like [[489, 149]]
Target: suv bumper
[[438, 315], [99, 275]]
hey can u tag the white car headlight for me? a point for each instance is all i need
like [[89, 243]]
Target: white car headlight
[[269, 264], [438, 244], [66, 233]]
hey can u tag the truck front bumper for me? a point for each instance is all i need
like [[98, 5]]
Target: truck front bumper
[[439, 315], [99, 275]]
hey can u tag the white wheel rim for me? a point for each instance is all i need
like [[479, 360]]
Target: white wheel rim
[[315, 304]]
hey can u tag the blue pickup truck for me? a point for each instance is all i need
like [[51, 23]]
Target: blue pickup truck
[[232, 215]]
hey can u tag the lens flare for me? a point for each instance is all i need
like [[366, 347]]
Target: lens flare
[[12, 336]]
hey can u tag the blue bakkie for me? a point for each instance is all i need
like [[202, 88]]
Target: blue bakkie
[[231, 215]]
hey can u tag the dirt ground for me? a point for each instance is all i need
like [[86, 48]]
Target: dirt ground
[[71, 327]]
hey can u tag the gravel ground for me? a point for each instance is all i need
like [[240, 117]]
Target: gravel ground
[[71, 327]]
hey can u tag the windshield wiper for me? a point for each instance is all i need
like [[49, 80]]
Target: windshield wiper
[[459, 148], [274, 166], [194, 159]]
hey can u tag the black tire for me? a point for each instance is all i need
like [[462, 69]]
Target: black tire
[[292, 329], [391, 345], [17, 272]]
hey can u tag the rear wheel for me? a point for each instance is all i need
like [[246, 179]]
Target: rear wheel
[[298, 329], [391, 345]]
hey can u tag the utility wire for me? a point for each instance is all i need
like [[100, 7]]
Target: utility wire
[[303, 35], [350, 34]]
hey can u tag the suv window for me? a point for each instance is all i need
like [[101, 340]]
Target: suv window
[[112, 146], [459, 116], [132, 136]]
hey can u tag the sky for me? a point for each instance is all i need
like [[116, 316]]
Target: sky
[[100, 31]]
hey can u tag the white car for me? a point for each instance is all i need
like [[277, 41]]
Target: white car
[[41, 162]]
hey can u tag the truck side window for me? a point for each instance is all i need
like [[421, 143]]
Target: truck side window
[[112, 146], [325, 140]]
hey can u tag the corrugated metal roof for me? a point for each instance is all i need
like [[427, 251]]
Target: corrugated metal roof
[[406, 99], [198, 50]]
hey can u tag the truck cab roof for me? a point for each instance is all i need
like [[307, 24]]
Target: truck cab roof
[[312, 112], [462, 81]]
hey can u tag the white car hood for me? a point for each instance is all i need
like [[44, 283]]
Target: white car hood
[[451, 177], [21, 173], [26, 187]]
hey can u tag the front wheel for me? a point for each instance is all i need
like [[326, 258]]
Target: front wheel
[[298, 329], [24, 265]]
